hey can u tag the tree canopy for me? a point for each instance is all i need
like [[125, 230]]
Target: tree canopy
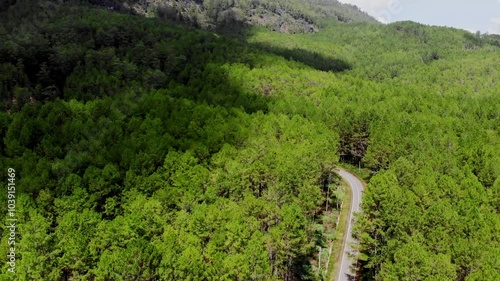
[[148, 150]]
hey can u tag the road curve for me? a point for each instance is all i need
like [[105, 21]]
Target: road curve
[[348, 257]]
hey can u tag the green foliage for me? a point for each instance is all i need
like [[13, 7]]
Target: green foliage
[[149, 151]]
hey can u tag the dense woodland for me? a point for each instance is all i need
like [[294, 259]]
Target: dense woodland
[[148, 150]]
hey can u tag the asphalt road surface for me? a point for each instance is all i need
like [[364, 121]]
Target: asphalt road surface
[[349, 257]]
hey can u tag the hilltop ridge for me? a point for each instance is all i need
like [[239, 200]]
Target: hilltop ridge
[[286, 16]]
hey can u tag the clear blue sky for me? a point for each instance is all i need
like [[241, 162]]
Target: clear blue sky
[[473, 15]]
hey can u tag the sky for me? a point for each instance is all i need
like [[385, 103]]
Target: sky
[[478, 15]]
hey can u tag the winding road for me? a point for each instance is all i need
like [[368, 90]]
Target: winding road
[[347, 263]]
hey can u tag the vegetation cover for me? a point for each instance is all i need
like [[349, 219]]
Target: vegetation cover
[[146, 150], [229, 16]]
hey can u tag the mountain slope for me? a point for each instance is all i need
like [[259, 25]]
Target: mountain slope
[[287, 16]]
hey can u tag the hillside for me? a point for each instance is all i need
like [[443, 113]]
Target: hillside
[[145, 149], [286, 16]]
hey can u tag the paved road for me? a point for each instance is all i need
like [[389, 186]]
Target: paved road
[[346, 273]]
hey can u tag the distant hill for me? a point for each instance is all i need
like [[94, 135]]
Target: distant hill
[[286, 16]]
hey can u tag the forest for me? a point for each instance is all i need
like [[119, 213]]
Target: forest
[[150, 148]]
